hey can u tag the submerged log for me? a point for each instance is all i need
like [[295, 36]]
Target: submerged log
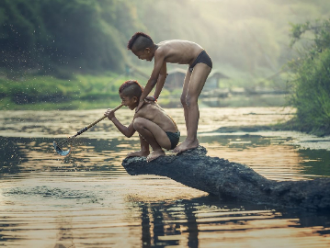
[[233, 181]]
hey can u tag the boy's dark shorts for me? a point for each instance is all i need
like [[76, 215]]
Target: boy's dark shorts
[[174, 138], [203, 57]]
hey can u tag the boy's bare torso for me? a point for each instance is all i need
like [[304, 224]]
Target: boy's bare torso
[[178, 51], [153, 112]]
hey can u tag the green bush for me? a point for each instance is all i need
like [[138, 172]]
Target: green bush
[[311, 82]]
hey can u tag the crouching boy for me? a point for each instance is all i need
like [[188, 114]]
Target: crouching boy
[[154, 126]]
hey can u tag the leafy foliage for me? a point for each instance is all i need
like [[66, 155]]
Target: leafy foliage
[[311, 83], [247, 40], [77, 34], [91, 35]]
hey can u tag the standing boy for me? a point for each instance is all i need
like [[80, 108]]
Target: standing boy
[[181, 52], [155, 127]]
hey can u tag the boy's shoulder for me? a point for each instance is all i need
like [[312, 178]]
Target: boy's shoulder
[[147, 110]]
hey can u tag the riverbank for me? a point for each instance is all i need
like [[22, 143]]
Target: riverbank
[[68, 91], [73, 92], [89, 92]]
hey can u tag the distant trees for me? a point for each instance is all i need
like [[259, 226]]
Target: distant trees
[[248, 38], [76, 34], [311, 82]]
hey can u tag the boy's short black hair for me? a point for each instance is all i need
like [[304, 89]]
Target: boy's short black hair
[[140, 41], [131, 88]]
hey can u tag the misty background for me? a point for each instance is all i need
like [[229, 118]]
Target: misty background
[[59, 54]]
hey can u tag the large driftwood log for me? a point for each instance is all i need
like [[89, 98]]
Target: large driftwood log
[[233, 181]]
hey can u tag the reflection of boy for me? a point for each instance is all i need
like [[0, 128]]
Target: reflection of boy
[[155, 127], [181, 52]]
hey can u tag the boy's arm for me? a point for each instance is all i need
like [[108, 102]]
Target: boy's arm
[[161, 81], [127, 131], [158, 67]]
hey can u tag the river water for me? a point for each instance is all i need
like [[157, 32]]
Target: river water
[[88, 200]]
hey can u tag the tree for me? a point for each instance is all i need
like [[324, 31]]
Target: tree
[[48, 34], [311, 82]]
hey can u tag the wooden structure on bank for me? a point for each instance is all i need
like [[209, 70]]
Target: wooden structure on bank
[[213, 80], [175, 79]]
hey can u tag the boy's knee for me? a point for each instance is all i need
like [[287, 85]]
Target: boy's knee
[[183, 100], [137, 123], [188, 101]]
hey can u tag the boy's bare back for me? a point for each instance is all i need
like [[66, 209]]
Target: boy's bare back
[[153, 112], [178, 51]]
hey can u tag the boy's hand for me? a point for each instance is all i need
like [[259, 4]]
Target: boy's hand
[[148, 99], [110, 114], [151, 99]]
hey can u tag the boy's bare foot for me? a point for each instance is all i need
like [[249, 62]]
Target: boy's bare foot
[[185, 145], [138, 154], [155, 154]]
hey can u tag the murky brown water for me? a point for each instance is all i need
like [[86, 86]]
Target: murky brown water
[[88, 199]]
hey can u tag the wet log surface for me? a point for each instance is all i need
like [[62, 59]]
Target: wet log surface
[[233, 181]]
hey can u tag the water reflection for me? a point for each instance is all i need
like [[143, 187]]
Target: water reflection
[[88, 200], [10, 155], [37, 154], [272, 156], [201, 221], [315, 162], [65, 236], [195, 222]]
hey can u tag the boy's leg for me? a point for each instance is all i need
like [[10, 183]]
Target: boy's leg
[[184, 103], [183, 96], [154, 135], [144, 152], [191, 92]]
